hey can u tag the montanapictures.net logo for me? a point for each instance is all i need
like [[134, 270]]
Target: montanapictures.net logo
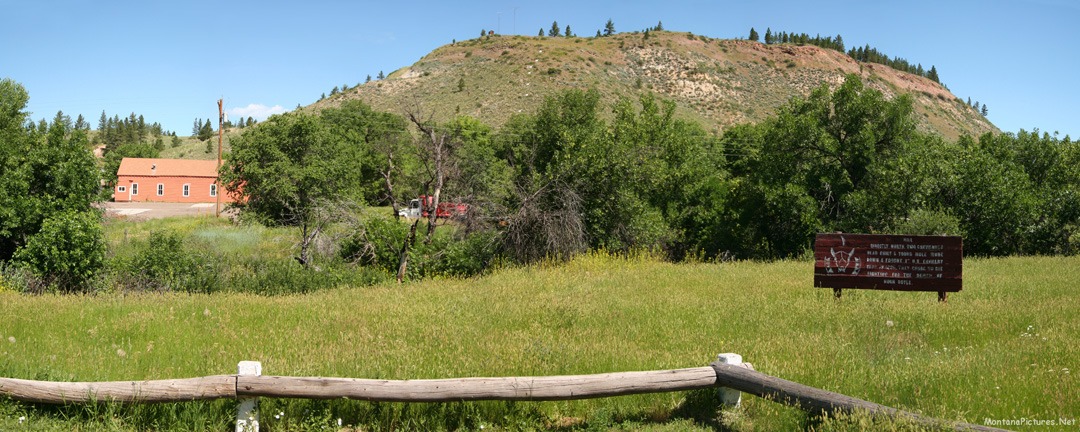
[[1029, 422]]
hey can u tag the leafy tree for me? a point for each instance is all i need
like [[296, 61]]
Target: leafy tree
[[292, 171], [609, 28], [933, 74], [541, 33], [659, 26], [753, 35], [367, 135], [483, 33], [554, 31], [48, 183], [985, 112], [809, 160], [381, 75], [568, 33], [768, 35], [598, 33]]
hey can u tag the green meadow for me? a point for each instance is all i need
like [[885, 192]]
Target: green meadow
[[1003, 348]]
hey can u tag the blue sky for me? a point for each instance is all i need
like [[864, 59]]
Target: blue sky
[[171, 61]]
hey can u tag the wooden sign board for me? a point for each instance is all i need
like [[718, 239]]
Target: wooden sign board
[[889, 262]]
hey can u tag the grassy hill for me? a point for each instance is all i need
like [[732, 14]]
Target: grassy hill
[[715, 82]]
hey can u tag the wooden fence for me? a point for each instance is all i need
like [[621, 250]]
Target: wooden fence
[[250, 384]]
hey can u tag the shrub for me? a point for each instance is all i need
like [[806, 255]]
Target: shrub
[[169, 263], [928, 222], [67, 252], [377, 245]]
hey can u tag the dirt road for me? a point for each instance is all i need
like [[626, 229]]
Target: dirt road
[[157, 210]]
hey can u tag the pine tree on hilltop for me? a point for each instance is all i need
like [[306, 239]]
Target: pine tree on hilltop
[[753, 35], [659, 26], [554, 32], [609, 28], [933, 75]]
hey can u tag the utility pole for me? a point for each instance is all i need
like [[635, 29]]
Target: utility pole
[[220, 131]]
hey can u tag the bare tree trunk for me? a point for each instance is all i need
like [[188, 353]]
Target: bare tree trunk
[[403, 262], [439, 152], [434, 215], [389, 184]]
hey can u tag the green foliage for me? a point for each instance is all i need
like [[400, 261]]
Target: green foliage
[[48, 180], [928, 222], [287, 167], [619, 188], [169, 263], [364, 137], [554, 31], [753, 35], [609, 27], [68, 251], [827, 42], [377, 244], [872, 55], [826, 149], [206, 131]]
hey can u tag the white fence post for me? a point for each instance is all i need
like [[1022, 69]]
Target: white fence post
[[728, 396], [247, 413]]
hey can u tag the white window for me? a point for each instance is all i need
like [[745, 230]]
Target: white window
[[121, 189], [160, 189], [187, 189], [213, 190], [134, 188]]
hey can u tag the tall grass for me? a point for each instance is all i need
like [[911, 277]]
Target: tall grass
[[1003, 348]]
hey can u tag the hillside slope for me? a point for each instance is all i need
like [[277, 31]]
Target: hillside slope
[[716, 82]]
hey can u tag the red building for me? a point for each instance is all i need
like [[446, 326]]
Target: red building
[[168, 180]]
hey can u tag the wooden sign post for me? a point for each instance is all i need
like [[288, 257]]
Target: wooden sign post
[[889, 262]]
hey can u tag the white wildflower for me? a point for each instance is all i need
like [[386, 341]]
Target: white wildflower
[[22, 419], [11, 339], [889, 323]]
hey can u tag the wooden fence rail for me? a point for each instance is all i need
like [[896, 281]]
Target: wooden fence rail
[[739, 377]]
